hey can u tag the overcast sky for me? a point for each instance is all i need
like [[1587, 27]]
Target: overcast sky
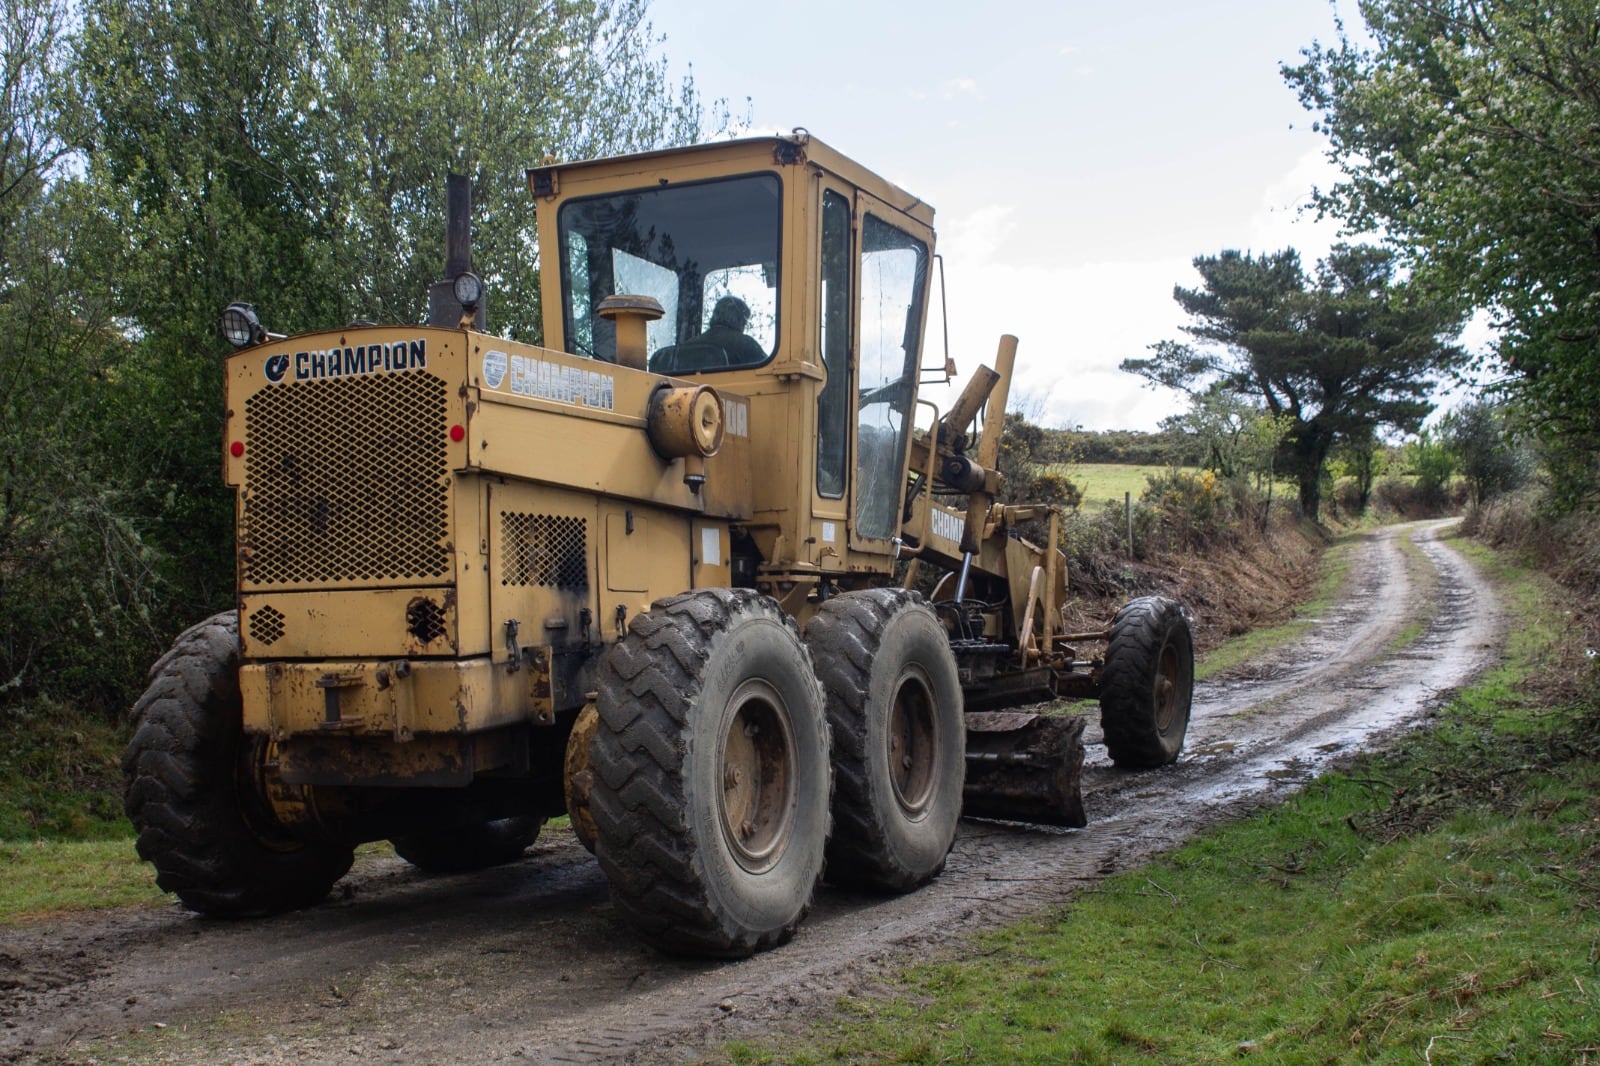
[[1078, 155]]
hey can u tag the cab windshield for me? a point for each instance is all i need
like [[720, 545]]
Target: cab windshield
[[708, 252]]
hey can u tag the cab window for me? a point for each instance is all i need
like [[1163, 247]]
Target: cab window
[[707, 251]]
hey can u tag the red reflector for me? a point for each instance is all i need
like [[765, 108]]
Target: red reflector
[[458, 433], [236, 449]]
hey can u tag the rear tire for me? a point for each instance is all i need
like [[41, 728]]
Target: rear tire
[[1147, 683], [475, 846], [710, 797], [895, 714], [193, 791]]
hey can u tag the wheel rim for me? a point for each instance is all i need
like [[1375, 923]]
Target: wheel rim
[[757, 801], [913, 745], [1168, 682], [257, 787]]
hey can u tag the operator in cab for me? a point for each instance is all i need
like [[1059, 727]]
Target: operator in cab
[[723, 344], [726, 330]]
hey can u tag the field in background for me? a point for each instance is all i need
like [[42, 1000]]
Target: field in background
[[1100, 482]]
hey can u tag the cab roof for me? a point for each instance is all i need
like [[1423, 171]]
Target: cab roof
[[798, 148]]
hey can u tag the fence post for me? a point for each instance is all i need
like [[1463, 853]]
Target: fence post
[[1127, 507]]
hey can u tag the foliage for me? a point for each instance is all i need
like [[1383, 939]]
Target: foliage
[[1233, 437], [76, 586], [1465, 131], [1489, 456], [1432, 463], [1027, 452], [60, 774], [1184, 510], [1362, 459], [1120, 446], [164, 157], [1214, 425], [1337, 355]]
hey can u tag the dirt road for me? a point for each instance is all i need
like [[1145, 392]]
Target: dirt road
[[528, 964]]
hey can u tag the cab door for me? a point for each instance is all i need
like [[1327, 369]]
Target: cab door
[[892, 279]]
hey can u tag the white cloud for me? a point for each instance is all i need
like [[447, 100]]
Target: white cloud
[[1284, 218], [1073, 323]]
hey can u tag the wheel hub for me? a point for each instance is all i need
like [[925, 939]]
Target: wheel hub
[[913, 738], [1166, 694], [758, 798]]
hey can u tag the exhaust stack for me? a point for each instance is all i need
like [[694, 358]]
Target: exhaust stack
[[444, 310]]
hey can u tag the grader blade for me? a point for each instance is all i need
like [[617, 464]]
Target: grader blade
[[1024, 767]]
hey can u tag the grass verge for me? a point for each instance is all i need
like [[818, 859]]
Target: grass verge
[[60, 777], [46, 878], [1257, 642], [1437, 903]]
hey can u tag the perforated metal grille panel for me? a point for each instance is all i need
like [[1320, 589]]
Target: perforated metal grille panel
[[346, 479], [266, 625], [543, 549]]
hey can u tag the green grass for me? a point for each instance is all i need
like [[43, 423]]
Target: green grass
[[50, 877], [1424, 579], [1440, 903], [1100, 482], [59, 775]]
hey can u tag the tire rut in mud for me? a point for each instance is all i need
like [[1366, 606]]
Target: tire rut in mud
[[529, 963]]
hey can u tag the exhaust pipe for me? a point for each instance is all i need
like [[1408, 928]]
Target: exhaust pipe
[[444, 310]]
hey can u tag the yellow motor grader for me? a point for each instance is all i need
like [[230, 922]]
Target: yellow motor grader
[[658, 575]]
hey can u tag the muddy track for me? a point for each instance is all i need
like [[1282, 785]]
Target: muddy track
[[529, 964]]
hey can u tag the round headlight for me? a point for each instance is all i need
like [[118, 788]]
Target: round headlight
[[469, 290], [240, 325]]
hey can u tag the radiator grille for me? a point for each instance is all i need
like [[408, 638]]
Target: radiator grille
[[346, 479], [543, 549]]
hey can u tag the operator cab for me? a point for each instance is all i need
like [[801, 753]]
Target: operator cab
[[785, 273]]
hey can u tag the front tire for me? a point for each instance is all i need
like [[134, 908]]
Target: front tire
[[194, 796], [1147, 683], [895, 713], [710, 797]]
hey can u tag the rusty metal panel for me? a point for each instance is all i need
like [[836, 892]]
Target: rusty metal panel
[[398, 698], [430, 762], [355, 623]]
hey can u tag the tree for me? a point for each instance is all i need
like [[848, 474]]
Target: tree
[[1363, 458], [1465, 131], [1433, 464], [1487, 453], [75, 580], [294, 153], [1217, 421], [1342, 353]]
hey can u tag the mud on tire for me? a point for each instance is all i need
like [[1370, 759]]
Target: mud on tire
[[474, 846], [1147, 683], [711, 774], [190, 773], [895, 714]]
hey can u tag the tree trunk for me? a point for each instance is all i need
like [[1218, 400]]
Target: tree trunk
[[1311, 449]]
